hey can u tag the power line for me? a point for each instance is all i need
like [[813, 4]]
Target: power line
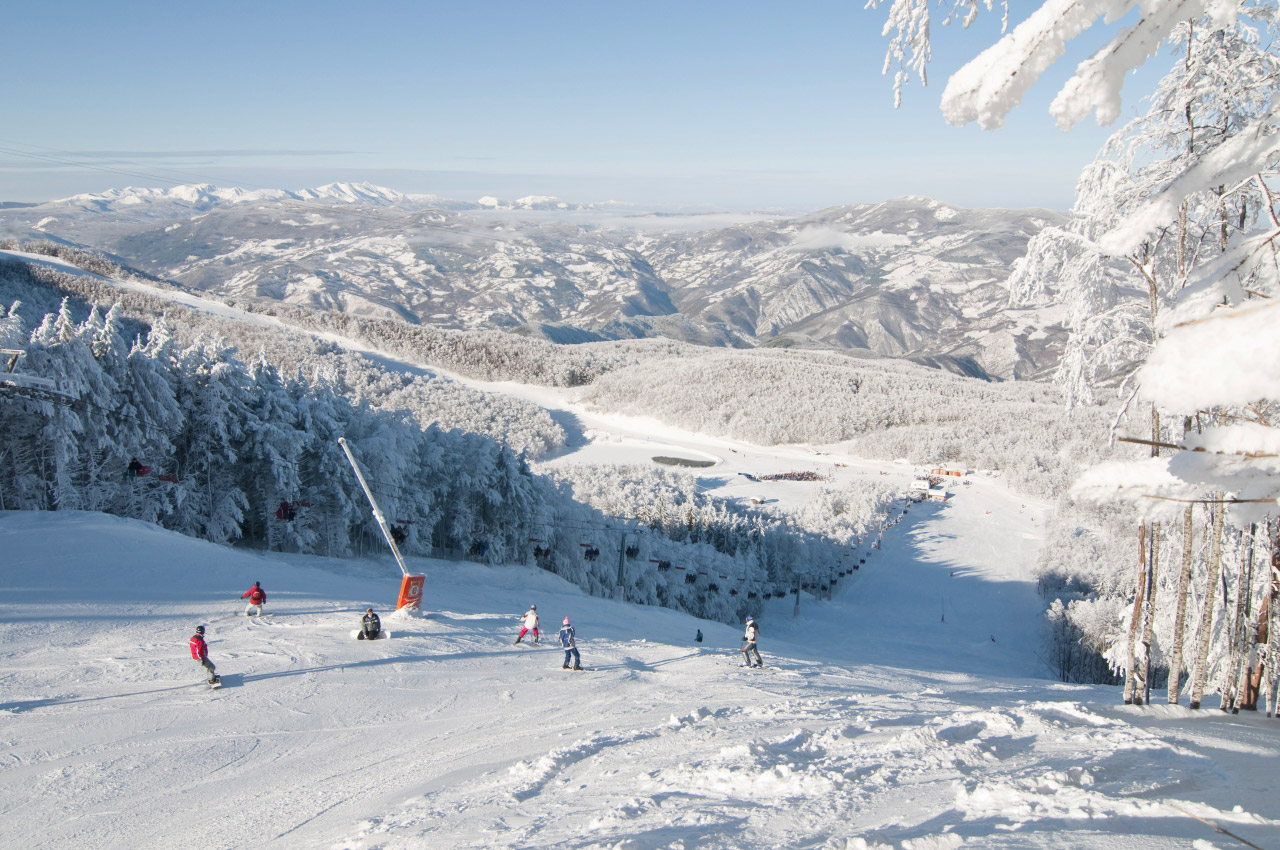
[[49, 158]]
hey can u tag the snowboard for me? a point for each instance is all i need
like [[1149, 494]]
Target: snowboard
[[382, 635], [215, 684]]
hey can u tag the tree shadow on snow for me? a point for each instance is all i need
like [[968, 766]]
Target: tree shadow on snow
[[302, 671], [705, 832], [19, 706], [575, 436], [636, 665]]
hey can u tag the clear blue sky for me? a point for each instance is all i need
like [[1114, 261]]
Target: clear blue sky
[[702, 103]]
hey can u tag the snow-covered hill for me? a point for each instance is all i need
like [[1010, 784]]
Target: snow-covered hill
[[906, 712], [910, 277]]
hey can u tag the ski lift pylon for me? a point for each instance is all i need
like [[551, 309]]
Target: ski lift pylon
[[28, 386]]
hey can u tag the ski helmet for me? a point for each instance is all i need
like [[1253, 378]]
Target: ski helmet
[[566, 621], [199, 630], [533, 607], [750, 620]]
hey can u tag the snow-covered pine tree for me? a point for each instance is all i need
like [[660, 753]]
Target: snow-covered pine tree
[[58, 350], [148, 400], [337, 506], [214, 401], [269, 461], [110, 433]]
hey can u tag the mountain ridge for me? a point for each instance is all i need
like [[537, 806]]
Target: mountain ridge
[[908, 277]]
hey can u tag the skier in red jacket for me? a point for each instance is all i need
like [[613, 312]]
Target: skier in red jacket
[[200, 652], [257, 598]]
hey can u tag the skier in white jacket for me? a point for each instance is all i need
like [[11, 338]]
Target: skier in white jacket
[[530, 619], [749, 644]]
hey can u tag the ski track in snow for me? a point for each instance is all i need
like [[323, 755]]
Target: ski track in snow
[[909, 711]]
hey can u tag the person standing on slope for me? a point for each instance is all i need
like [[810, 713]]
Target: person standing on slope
[[569, 641], [749, 644], [200, 652], [530, 619], [257, 598], [370, 626]]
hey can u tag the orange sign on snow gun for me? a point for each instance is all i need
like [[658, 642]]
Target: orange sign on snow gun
[[410, 592]]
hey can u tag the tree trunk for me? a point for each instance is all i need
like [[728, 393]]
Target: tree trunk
[[1205, 633], [1180, 617], [1149, 609], [1271, 673], [1139, 595], [1241, 635]]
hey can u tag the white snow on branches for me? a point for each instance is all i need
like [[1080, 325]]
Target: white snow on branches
[[1229, 358], [1231, 162], [1134, 481], [992, 84]]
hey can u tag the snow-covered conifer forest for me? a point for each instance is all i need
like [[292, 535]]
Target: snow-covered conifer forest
[[225, 442], [1019, 453]]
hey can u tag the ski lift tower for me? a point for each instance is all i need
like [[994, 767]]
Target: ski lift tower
[[410, 586], [28, 386]]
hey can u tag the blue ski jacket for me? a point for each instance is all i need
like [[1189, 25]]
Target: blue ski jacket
[[566, 637]]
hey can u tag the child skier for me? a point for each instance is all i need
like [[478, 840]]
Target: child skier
[[200, 652], [257, 598], [749, 645], [570, 644], [530, 619], [370, 626]]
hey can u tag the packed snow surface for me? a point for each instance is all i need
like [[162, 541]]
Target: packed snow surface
[[911, 710]]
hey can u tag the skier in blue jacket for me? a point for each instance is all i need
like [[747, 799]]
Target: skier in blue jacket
[[568, 641]]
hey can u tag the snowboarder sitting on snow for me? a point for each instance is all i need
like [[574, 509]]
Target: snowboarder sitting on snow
[[749, 644], [370, 626], [200, 652], [570, 644], [257, 598], [530, 619]]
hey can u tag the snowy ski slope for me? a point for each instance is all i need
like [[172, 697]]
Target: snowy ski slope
[[887, 717]]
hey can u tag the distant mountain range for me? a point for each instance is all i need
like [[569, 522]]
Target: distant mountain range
[[909, 277]]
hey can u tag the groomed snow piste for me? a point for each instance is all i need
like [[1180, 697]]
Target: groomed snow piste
[[909, 711]]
